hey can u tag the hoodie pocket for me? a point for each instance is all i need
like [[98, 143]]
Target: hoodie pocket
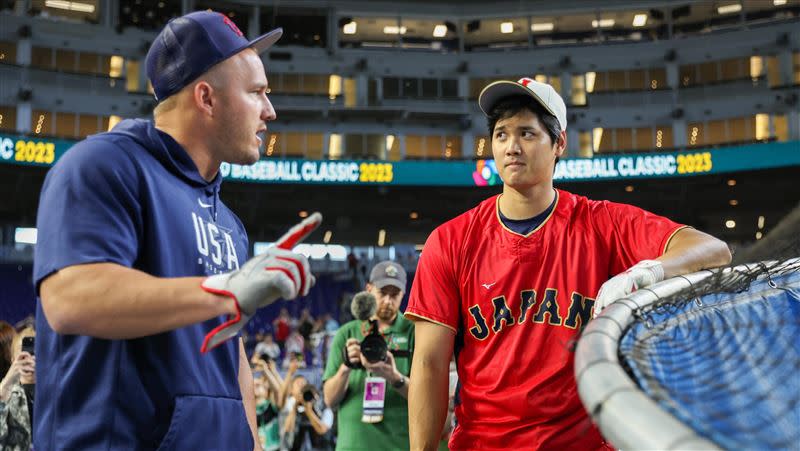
[[207, 423]]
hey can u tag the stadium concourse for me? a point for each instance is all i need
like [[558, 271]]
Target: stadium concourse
[[686, 109]]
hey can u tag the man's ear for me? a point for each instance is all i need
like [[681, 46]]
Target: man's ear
[[561, 145], [204, 97]]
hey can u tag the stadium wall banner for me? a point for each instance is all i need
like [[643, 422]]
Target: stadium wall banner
[[33, 151]]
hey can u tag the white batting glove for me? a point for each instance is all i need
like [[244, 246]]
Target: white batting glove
[[640, 275], [276, 274]]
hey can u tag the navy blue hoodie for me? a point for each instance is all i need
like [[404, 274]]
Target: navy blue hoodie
[[134, 197]]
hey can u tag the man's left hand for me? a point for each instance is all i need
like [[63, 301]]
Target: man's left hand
[[640, 275], [385, 369]]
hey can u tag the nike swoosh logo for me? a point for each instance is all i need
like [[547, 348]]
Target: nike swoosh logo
[[488, 285], [202, 204]]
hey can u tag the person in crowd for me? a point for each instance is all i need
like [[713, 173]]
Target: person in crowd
[[383, 423], [268, 347], [307, 421], [17, 397], [7, 334], [282, 325], [269, 387]]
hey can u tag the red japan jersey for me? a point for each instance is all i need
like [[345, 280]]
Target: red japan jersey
[[517, 303]]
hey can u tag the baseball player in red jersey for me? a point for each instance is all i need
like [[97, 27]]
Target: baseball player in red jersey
[[508, 285]]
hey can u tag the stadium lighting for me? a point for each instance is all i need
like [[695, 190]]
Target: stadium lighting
[[506, 27], [70, 6], [603, 23], [539, 27], [25, 235], [639, 20], [733, 202], [381, 237], [439, 31], [759, 235], [414, 215], [730, 223], [394, 29], [303, 214], [729, 9], [731, 182], [760, 222], [350, 28], [327, 238], [629, 189], [778, 2]]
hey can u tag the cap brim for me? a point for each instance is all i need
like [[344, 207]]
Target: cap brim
[[498, 90], [265, 41], [380, 283]]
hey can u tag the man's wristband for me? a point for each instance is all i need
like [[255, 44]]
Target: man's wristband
[[399, 383]]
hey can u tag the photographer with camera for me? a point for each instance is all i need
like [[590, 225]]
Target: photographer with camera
[[307, 422], [366, 376], [16, 394]]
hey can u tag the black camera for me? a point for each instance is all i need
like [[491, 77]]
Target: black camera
[[309, 393], [373, 346]]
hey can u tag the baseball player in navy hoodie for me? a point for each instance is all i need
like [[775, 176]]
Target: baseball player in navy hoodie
[[140, 266]]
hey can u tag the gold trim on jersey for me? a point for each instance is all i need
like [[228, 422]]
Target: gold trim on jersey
[[671, 236], [430, 320], [497, 215]]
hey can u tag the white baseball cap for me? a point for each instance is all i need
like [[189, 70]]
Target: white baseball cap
[[542, 92]]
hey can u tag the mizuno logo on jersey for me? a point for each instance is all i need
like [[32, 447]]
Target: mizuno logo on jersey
[[526, 308], [488, 285]]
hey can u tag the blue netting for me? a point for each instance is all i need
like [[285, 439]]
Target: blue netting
[[726, 364]]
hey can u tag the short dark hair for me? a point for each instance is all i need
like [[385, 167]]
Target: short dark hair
[[510, 106]]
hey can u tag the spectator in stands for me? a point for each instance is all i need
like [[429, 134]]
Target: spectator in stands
[[7, 334], [270, 389], [345, 382], [268, 347], [16, 397], [282, 325], [308, 421], [330, 324], [305, 325], [295, 347]]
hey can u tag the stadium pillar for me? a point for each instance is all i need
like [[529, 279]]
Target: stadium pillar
[[566, 87], [333, 32], [362, 89], [402, 145], [254, 24], [793, 119], [187, 6], [24, 50], [573, 142], [24, 117], [467, 144], [785, 67], [463, 86], [109, 13], [679, 133]]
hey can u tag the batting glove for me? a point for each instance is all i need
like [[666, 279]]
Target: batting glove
[[276, 274], [640, 275]]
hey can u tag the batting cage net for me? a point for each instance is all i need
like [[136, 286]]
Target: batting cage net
[[707, 360]]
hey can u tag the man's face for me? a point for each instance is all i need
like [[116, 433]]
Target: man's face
[[244, 109], [523, 150], [389, 299]]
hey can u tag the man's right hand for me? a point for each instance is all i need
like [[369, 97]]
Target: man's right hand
[[275, 274], [353, 352]]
